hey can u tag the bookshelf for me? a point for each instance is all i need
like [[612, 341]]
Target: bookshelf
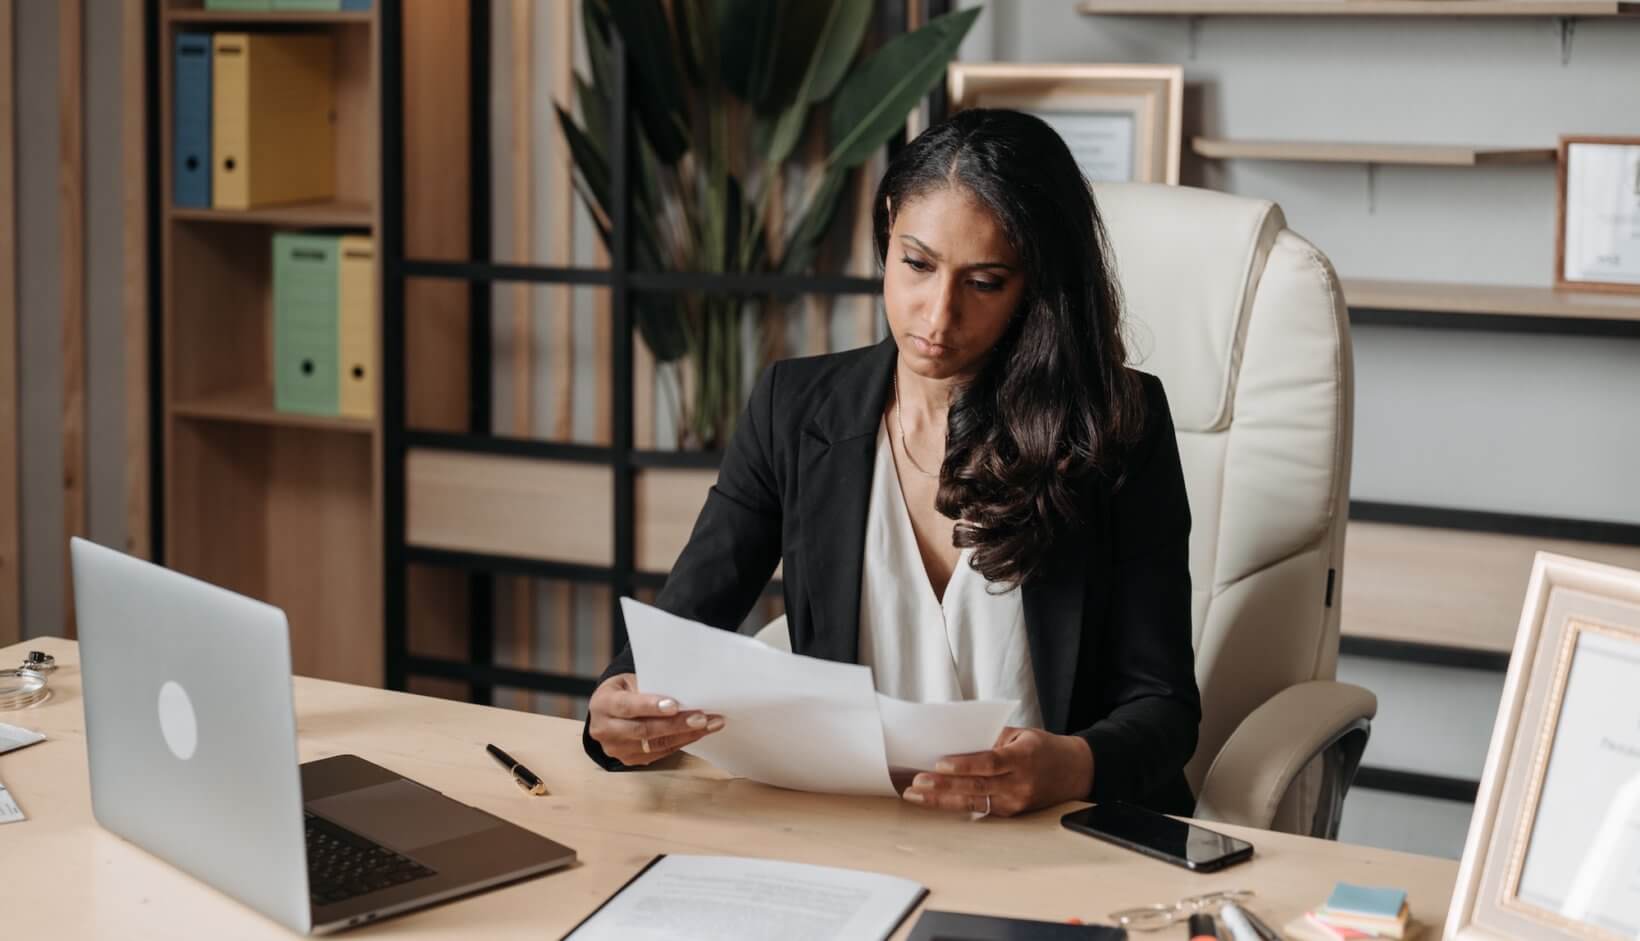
[[287, 507]]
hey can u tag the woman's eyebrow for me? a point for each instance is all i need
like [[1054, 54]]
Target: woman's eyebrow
[[922, 247]]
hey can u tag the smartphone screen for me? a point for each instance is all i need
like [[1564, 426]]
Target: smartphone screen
[[1159, 835]]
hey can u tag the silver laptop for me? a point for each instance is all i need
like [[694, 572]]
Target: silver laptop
[[192, 741]]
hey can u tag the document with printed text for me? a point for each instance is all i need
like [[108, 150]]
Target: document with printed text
[[728, 898]]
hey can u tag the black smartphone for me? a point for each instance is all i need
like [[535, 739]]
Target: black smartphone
[[1159, 836]]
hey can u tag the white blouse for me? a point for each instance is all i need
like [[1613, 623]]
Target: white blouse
[[970, 645]]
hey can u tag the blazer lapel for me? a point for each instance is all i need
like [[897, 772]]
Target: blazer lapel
[[1053, 623], [835, 456]]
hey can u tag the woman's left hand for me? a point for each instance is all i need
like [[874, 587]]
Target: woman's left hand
[[1026, 770]]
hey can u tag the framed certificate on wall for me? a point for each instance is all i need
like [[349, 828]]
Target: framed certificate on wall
[[1554, 843], [1598, 244], [1121, 122]]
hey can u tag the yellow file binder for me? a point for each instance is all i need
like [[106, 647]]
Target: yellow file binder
[[272, 118], [356, 317]]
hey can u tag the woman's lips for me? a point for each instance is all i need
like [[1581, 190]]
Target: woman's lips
[[931, 349]]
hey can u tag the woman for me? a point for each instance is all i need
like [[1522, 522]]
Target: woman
[[989, 504]]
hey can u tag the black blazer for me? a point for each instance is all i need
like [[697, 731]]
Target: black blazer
[[1109, 625]]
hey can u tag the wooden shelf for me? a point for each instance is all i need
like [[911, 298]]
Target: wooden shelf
[[1359, 7], [1505, 300], [329, 213], [254, 410], [1424, 155], [250, 17]]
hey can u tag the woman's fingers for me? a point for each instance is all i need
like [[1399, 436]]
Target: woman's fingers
[[652, 729], [954, 784], [971, 783], [658, 748], [623, 720]]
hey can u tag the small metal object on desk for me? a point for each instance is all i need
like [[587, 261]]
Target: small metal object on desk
[[39, 661], [26, 686]]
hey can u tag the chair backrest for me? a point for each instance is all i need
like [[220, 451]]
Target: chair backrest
[[1244, 322]]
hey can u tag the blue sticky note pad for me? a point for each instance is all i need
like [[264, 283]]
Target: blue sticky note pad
[[1366, 900]]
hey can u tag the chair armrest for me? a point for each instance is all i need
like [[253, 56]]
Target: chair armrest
[[1260, 760]]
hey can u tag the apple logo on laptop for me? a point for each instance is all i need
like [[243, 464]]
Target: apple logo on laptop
[[176, 720]]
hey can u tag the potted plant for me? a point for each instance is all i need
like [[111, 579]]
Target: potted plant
[[726, 95]]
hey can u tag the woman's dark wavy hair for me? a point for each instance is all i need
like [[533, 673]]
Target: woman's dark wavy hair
[[1054, 406]]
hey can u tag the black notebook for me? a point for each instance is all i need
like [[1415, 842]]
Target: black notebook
[[955, 926]]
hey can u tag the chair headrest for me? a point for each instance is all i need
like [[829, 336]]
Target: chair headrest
[[1189, 262]]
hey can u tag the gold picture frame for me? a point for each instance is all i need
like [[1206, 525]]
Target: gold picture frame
[[1112, 116], [1579, 628]]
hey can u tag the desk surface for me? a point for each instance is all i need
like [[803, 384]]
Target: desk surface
[[64, 877]]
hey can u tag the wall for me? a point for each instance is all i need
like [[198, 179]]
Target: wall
[[1467, 420], [39, 291]]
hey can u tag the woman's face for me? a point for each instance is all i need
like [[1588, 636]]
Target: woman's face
[[951, 283]]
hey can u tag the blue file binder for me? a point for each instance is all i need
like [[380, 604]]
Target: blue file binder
[[191, 148]]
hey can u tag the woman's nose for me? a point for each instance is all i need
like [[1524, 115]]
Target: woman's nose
[[943, 312]]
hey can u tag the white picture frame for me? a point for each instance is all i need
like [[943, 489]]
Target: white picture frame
[[1123, 123], [1541, 840]]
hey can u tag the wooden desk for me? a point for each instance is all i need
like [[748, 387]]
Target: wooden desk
[[61, 876]]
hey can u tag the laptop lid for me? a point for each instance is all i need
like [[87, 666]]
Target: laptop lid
[[190, 728]]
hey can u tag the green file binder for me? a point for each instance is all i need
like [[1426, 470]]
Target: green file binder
[[305, 330], [250, 5]]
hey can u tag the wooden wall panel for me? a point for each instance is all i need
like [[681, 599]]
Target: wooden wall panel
[[510, 506], [71, 230], [665, 504], [11, 586], [1445, 587]]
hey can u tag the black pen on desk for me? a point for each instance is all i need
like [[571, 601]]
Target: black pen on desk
[[525, 777]]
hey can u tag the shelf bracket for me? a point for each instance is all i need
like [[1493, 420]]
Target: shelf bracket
[[1192, 36], [1372, 189], [1567, 25]]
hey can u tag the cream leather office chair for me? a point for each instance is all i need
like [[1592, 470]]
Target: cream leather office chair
[[1245, 323]]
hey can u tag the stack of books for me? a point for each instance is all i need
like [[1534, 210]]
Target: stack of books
[[1357, 913]]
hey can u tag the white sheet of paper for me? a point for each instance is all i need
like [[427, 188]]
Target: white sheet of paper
[[13, 737], [789, 720], [707, 898], [918, 734], [9, 811]]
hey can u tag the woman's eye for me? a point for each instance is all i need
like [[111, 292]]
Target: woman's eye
[[987, 285], [917, 264]]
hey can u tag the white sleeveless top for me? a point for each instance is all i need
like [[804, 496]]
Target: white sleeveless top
[[971, 645]]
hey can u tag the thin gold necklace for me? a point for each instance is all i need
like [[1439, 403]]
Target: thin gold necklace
[[899, 419]]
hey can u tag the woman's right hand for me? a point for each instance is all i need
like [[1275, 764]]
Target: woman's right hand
[[639, 728]]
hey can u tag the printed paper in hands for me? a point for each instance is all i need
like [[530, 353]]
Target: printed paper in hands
[[794, 721]]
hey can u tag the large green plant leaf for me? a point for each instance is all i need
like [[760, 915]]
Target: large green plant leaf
[[837, 37], [658, 94], [876, 97], [839, 40], [748, 43]]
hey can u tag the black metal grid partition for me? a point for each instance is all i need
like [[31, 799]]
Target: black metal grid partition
[[620, 456]]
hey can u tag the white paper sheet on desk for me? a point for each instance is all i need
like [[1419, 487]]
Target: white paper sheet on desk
[[790, 721], [918, 734]]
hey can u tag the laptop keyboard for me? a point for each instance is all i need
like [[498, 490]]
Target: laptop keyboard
[[344, 865]]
